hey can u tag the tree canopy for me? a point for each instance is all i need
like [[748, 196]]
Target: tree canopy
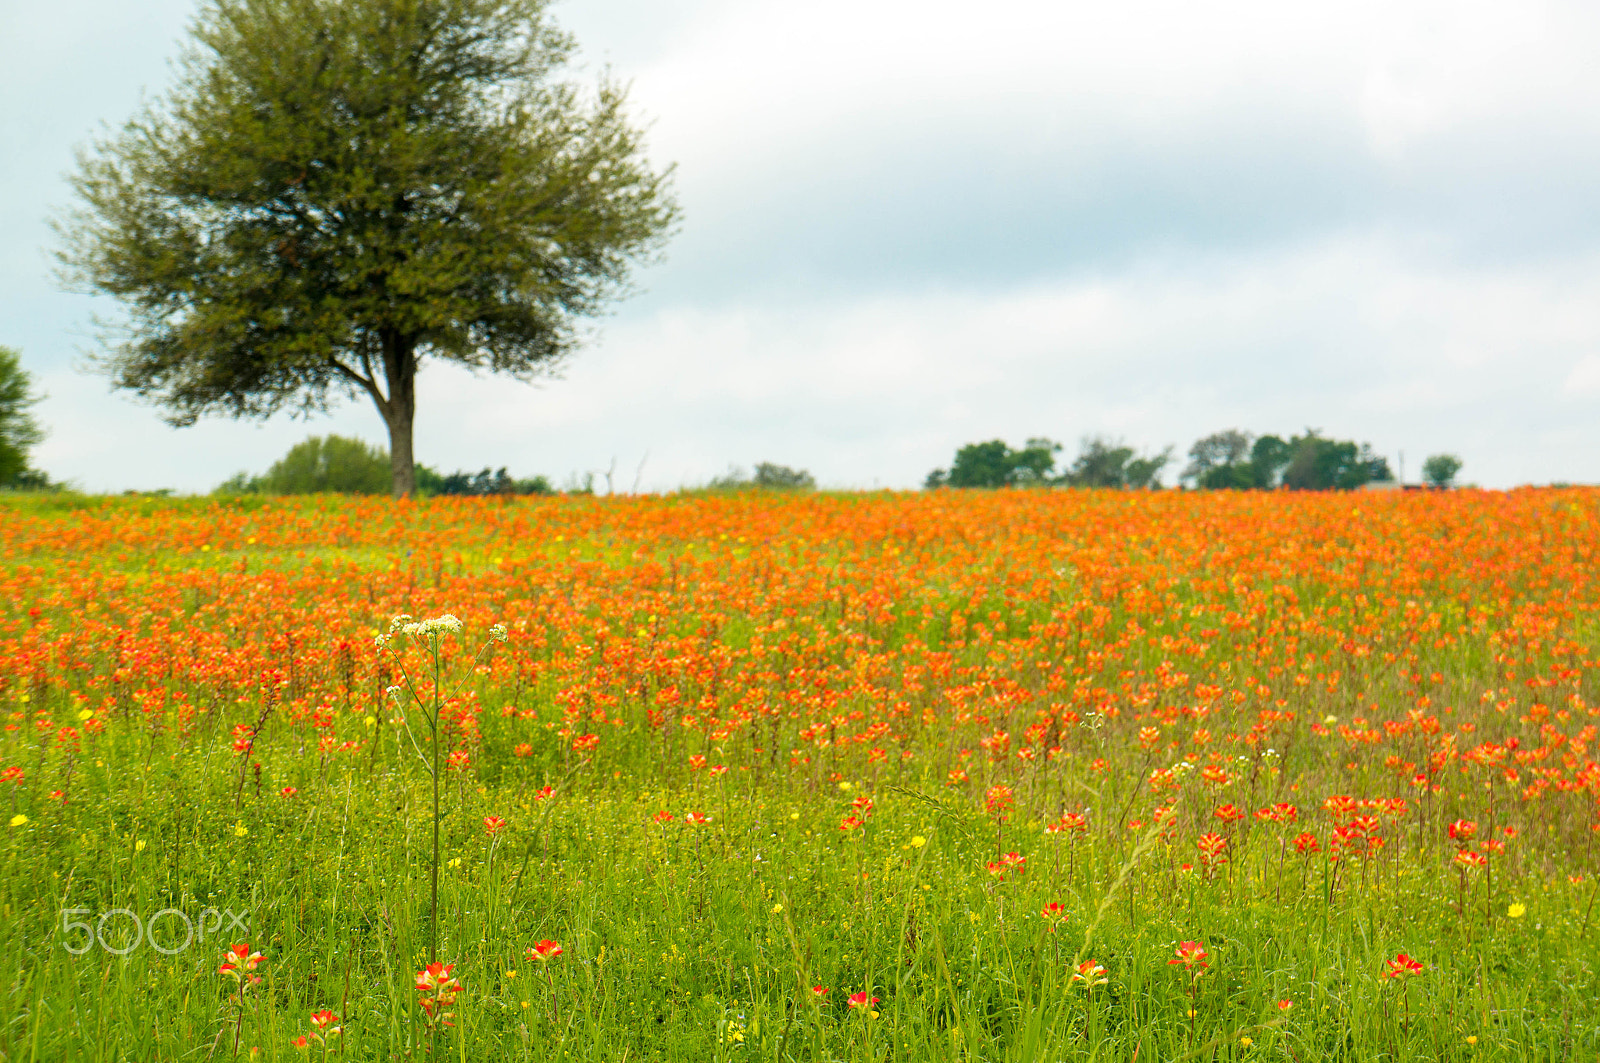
[[333, 193]]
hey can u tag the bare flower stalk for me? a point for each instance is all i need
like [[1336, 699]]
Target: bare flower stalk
[[430, 633]]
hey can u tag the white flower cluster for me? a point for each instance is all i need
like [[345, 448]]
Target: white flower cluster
[[424, 628], [429, 629]]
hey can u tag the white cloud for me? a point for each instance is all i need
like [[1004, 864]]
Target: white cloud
[[1583, 381], [764, 73]]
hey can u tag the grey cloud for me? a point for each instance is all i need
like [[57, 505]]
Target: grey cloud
[[989, 202]]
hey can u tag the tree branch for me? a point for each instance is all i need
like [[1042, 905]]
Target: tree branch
[[367, 383]]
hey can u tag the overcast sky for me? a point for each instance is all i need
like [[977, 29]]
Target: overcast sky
[[913, 225]]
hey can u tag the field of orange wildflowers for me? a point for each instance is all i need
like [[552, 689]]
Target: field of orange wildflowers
[[970, 776]]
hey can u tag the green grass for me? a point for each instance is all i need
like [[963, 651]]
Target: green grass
[[698, 943]]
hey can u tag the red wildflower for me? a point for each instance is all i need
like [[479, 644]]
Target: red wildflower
[[544, 951], [1192, 956], [493, 824], [239, 962], [999, 801], [1069, 823], [1229, 813], [323, 1026], [1402, 966], [1364, 824], [438, 987], [861, 1001], [1089, 974]]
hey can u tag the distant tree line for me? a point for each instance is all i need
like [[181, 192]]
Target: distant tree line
[[1231, 459], [1100, 463], [336, 464]]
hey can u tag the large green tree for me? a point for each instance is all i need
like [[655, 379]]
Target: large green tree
[[336, 190]]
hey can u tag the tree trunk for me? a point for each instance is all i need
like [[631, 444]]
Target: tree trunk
[[400, 368]]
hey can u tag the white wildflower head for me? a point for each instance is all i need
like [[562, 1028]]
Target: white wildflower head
[[439, 625], [399, 622], [380, 641], [498, 633]]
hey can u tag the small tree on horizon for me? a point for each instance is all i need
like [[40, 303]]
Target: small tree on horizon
[[335, 192], [1317, 463], [1221, 460], [1103, 462], [782, 477], [320, 465], [19, 429], [1441, 470], [994, 464]]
